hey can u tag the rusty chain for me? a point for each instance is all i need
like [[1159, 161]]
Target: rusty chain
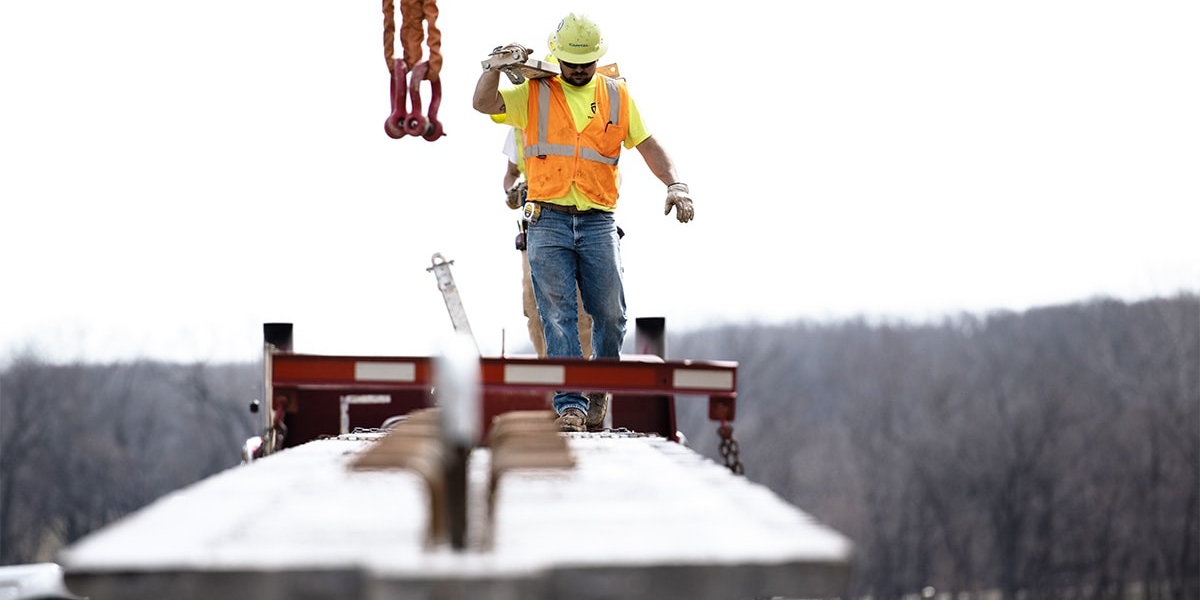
[[730, 449]]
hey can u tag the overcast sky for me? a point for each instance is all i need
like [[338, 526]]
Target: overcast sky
[[173, 175]]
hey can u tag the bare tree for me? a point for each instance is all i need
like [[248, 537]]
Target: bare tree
[[1049, 454], [81, 445]]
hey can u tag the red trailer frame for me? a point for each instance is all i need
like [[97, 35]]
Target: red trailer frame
[[315, 395]]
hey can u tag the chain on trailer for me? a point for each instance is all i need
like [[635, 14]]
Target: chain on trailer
[[730, 449], [418, 24]]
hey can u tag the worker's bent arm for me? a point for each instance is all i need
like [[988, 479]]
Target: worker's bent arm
[[487, 94], [511, 174], [656, 158]]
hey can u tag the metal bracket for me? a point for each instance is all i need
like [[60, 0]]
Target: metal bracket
[[518, 67], [445, 280]]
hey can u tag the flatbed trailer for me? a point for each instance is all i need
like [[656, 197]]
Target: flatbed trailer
[[470, 494]]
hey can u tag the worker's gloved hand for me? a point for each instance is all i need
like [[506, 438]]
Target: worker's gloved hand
[[506, 56], [516, 195], [677, 196]]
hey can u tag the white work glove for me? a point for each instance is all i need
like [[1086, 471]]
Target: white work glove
[[516, 195], [677, 196]]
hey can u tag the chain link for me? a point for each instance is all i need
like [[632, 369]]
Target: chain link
[[730, 449]]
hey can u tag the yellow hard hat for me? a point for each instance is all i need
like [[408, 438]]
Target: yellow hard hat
[[551, 58], [578, 40]]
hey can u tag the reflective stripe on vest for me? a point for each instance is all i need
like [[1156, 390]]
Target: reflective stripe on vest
[[543, 148], [559, 155]]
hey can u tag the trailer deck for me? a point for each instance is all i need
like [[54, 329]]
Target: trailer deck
[[636, 516]]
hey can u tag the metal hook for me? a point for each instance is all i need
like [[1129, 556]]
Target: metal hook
[[435, 129], [406, 117], [417, 124], [395, 123]]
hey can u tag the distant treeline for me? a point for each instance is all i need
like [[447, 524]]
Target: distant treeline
[[84, 444], [1053, 453]]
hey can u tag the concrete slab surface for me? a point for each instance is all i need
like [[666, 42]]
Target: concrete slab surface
[[636, 517]]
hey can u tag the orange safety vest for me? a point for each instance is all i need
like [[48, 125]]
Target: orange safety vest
[[557, 155]]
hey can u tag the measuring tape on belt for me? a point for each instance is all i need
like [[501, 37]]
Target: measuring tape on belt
[[417, 16]]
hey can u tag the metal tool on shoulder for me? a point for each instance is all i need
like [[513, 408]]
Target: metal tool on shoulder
[[514, 61]]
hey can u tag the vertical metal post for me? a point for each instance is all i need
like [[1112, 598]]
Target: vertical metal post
[[651, 339], [277, 337], [459, 400], [651, 336]]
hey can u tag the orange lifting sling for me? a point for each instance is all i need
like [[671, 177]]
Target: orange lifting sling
[[406, 117]]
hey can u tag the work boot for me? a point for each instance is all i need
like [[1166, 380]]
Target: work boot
[[597, 409], [571, 419]]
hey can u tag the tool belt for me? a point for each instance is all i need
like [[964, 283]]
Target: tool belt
[[523, 228], [568, 209]]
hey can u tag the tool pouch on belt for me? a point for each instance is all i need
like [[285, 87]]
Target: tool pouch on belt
[[520, 241]]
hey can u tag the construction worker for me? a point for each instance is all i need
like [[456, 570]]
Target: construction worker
[[514, 191], [573, 128]]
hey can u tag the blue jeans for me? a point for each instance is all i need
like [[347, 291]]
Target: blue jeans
[[566, 250]]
